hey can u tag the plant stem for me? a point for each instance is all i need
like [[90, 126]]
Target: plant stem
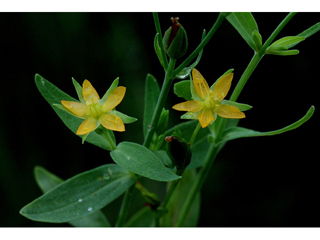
[[213, 150], [161, 100], [125, 207], [194, 134]]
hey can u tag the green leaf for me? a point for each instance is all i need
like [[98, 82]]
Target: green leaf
[[177, 200], [78, 90], [241, 106], [239, 132], [113, 86], [80, 195], [163, 122], [54, 95], [158, 49], [257, 39], [47, 181], [125, 118], [145, 217], [245, 24], [152, 92], [310, 31], [140, 160], [283, 52], [182, 89]]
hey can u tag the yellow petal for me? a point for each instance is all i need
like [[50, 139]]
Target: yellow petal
[[87, 126], [222, 87], [112, 122], [189, 106], [114, 99], [228, 111], [79, 109], [205, 117], [200, 84], [89, 94]]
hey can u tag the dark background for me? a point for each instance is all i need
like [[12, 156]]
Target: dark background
[[255, 182]]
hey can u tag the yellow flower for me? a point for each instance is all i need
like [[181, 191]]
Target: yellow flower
[[210, 103], [94, 111]]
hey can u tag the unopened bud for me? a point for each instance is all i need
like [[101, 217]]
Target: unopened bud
[[175, 41]]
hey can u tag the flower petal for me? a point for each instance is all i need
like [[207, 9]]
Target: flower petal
[[200, 84], [114, 99], [112, 122], [205, 117], [228, 111], [89, 125], [222, 87], [89, 94], [189, 106], [79, 109]]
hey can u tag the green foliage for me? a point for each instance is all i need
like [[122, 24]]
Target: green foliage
[[245, 24], [239, 132], [47, 181], [80, 195], [158, 49], [145, 217], [54, 95], [152, 92], [281, 46], [140, 160]]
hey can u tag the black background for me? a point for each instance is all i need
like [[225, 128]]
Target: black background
[[255, 182]]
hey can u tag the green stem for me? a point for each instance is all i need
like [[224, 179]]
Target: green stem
[[158, 29], [194, 54], [123, 214], [161, 100], [213, 150], [194, 134]]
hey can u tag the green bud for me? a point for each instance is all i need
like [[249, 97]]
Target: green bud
[[178, 150], [175, 41]]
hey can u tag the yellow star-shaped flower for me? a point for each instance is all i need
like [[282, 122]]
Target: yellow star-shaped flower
[[94, 112], [210, 102]]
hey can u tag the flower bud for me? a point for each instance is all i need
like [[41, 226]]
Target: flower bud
[[178, 150], [175, 41]]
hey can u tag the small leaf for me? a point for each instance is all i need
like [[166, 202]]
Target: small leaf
[[125, 118], [257, 39], [152, 92], [241, 106], [113, 86], [245, 24], [158, 49], [140, 160], [239, 132], [54, 95], [80, 195], [47, 181], [182, 89], [310, 31]]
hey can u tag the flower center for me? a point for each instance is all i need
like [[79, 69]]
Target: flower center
[[95, 109], [209, 102]]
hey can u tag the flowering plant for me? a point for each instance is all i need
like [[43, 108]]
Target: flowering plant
[[182, 155]]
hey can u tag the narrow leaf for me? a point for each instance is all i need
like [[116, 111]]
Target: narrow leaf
[[239, 132], [140, 160], [47, 181], [245, 24], [310, 31], [80, 195], [158, 49], [152, 92], [54, 95]]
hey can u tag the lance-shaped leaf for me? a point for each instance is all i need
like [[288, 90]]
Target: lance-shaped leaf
[[140, 160], [80, 195], [54, 95], [245, 24], [158, 49], [152, 92], [239, 132], [281, 46], [47, 181]]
